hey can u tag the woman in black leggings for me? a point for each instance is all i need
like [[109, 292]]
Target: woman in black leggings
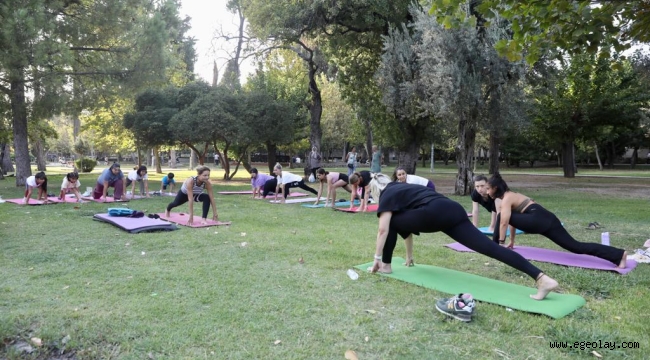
[[193, 191], [408, 209], [523, 213]]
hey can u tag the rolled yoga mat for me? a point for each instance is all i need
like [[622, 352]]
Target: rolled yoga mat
[[181, 219], [370, 208], [560, 258], [51, 200], [136, 225], [485, 230], [483, 289]]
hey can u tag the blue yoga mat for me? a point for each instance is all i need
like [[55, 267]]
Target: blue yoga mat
[[485, 231], [338, 204]]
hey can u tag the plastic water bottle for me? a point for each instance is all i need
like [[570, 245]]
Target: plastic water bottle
[[353, 274], [604, 238]]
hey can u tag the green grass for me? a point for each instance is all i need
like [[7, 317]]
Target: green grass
[[198, 293]]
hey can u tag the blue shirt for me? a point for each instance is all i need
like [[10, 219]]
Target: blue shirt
[[167, 181], [107, 175]]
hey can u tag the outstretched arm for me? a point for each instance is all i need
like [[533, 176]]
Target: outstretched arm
[[382, 233], [208, 187], [475, 213], [506, 211]]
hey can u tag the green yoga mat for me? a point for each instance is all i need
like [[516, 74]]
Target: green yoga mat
[[493, 291]]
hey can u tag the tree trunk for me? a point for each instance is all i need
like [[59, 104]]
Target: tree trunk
[[192, 158], [41, 161], [408, 156], [2, 158], [19, 121], [368, 137], [156, 152], [6, 165], [635, 154], [493, 163], [386, 152], [600, 164], [568, 160], [172, 159], [464, 157], [315, 108], [271, 159]]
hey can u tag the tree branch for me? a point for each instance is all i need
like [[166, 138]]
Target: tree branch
[[84, 48]]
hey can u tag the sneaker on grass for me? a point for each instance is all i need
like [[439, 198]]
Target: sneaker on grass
[[459, 307]]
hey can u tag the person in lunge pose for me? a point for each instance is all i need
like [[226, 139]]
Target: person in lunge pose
[[361, 180], [408, 209], [71, 185], [262, 184], [192, 191], [480, 197], [38, 181], [523, 213], [111, 177], [400, 175], [286, 181], [333, 181]]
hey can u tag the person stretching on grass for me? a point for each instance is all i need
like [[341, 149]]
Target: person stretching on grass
[[525, 214], [36, 181], [167, 180], [333, 181], [196, 185], [408, 209], [262, 184], [286, 181], [400, 175], [360, 180], [71, 184], [111, 177], [493, 206], [138, 174]]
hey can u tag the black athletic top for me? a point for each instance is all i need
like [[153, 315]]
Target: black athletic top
[[365, 180], [398, 197], [488, 204]]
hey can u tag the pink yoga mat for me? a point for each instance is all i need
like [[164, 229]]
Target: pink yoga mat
[[250, 192], [560, 258], [181, 219], [52, 200], [370, 207]]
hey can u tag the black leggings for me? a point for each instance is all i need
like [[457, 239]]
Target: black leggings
[[537, 220], [269, 187], [181, 198], [300, 184], [450, 217]]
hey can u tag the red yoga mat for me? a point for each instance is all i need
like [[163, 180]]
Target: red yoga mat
[[181, 219], [370, 208]]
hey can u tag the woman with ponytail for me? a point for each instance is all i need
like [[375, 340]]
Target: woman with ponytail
[[525, 214], [407, 209]]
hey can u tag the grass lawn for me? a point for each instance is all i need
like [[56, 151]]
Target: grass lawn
[[204, 294]]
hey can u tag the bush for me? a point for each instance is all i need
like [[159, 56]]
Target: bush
[[87, 166]]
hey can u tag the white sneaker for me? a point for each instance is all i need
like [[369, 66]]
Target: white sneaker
[[87, 193]]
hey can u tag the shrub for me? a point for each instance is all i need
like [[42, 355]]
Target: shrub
[[87, 166]]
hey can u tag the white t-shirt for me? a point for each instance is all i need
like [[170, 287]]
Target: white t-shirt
[[68, 185], [31, 181], [133, 176], [288, 177], [417, 180]]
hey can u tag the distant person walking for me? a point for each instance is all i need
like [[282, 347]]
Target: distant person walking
[[377, 159], [351, 160]]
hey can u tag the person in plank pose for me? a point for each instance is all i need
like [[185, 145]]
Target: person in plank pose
[[38, 181], [110, 177], [400, 175], [286, 181], [167, 180], [194, 190], [262, 184], [138, 174], [407, 209], [523, 213], [333, 181], [361, 180]]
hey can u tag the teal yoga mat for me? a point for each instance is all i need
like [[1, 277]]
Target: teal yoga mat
[[338, 203], [486, 230], [489, 290]]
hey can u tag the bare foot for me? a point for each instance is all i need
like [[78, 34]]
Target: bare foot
[[623, 262], [385, 269], [204, 221], [544, 286]]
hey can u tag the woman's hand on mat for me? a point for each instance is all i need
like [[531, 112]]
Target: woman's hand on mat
[[190, 220], [409, 262], [375, 266], [215, 217], [511, 245]]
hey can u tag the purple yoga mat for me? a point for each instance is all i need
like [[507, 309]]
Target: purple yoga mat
[[51, 200], [560, 258], [135, 225], [181, 219]]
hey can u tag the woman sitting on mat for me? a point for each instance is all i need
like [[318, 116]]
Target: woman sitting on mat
[[36, 181], [333, 181], [111, 177], [408, 209], [71, 184], [523, 213], [138, 174], [167, 180], [262, 184], [286, 181], [400, 175], [197, 184], [361, 180]]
